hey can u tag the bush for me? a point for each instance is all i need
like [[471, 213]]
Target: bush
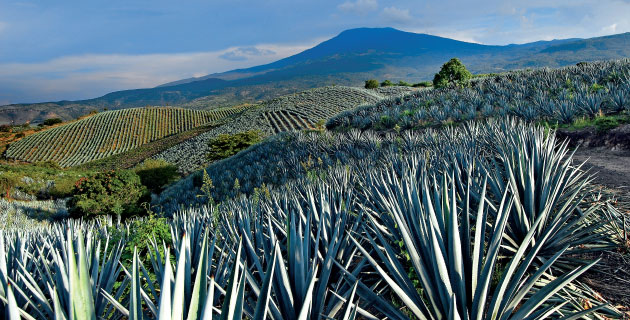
[[52, 121], [5, 128], [141, 232], [387, 83], [371, 84], [108, 193], [156, 174], [404, 84], [8, 180], [452, 73], [227, 145]]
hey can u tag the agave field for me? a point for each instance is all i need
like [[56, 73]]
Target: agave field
[[289, 113], [489, 220], [109, 133], [552, 95]]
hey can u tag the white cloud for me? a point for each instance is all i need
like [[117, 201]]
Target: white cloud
[[610, 29], [89, 76], [396, 15], [360, 7]]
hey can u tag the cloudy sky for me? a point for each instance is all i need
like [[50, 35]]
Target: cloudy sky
[[76, 49]]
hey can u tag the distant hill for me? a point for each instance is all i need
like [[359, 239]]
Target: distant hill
[[347, 59], [109, 133]]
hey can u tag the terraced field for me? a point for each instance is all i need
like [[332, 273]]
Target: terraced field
[[288, 113], [109, 133]]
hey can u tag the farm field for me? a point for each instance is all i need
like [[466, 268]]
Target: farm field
[[288, 113], [457, 202], [109, 133]]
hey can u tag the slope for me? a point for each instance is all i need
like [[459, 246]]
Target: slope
[[109, 133]]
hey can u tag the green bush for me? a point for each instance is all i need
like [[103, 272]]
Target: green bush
[[140, 232], [227, 145], [156, 174], [404, 84], [452, 73], [8, 181], [52, 121], [387, 83], [371, 84], [5, 128], [108, 193]]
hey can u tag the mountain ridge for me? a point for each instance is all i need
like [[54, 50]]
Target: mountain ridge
[[346, 59]]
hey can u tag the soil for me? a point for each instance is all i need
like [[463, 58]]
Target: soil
[[606, 155]]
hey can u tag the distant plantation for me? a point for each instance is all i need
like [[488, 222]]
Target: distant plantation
[[109, 133]]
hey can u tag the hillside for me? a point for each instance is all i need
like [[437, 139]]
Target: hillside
[[293, 112], [347, 59], [109, 133]]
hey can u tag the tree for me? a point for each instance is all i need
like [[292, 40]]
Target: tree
[[371, 84], [387, 83], [453, 73], [155, 174], [109, 193], [52, 121]]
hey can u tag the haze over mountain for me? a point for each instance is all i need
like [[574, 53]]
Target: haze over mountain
[[347, 59]]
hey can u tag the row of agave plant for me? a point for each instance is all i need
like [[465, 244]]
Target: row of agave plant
[[555, 95], [495, 229]]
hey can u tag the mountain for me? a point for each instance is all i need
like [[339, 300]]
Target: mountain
[[347, 59]]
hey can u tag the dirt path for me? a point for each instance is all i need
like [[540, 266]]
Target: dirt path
[[611, 168]]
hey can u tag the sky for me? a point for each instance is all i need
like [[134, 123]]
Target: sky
[[79, 49]]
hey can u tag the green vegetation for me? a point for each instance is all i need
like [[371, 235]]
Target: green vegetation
[[43, 180], [109, 133], [156, 174], [423, 84], [600, 122], [452, 73], [52, 121], [227, 145], [117, 193], [387, 83], [371, 84]]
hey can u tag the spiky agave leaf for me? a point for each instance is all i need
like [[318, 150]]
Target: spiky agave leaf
[[422, 213]]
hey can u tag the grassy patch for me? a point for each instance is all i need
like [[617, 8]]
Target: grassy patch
[[600, 123]]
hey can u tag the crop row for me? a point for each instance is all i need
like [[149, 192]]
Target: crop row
[[109, 133], [438, 225], [552, 95]]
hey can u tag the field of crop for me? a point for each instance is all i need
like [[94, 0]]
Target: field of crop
[[109, 133], [434, 225], [555, 96], [294, 112], [486, 216]]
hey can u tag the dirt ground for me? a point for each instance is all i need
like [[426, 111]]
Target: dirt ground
[[611, 169]]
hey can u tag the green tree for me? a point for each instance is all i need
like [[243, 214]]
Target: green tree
[[8, 180], [453, 73], [227, 145], [109, 193], [387, 83], [371, 84]]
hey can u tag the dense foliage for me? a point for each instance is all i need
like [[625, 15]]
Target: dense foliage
[[108, 133], [371, 84], [52, 121], [452, 73], [227, 145], [118, 193]]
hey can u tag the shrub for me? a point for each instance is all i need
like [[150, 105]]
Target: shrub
[[141, 232], [371, 84], [452, 73], [155, 174], [8, 180], [404, 84], [108, 193], [227, 145], [387, 83], [52, 121], [5, 128]]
